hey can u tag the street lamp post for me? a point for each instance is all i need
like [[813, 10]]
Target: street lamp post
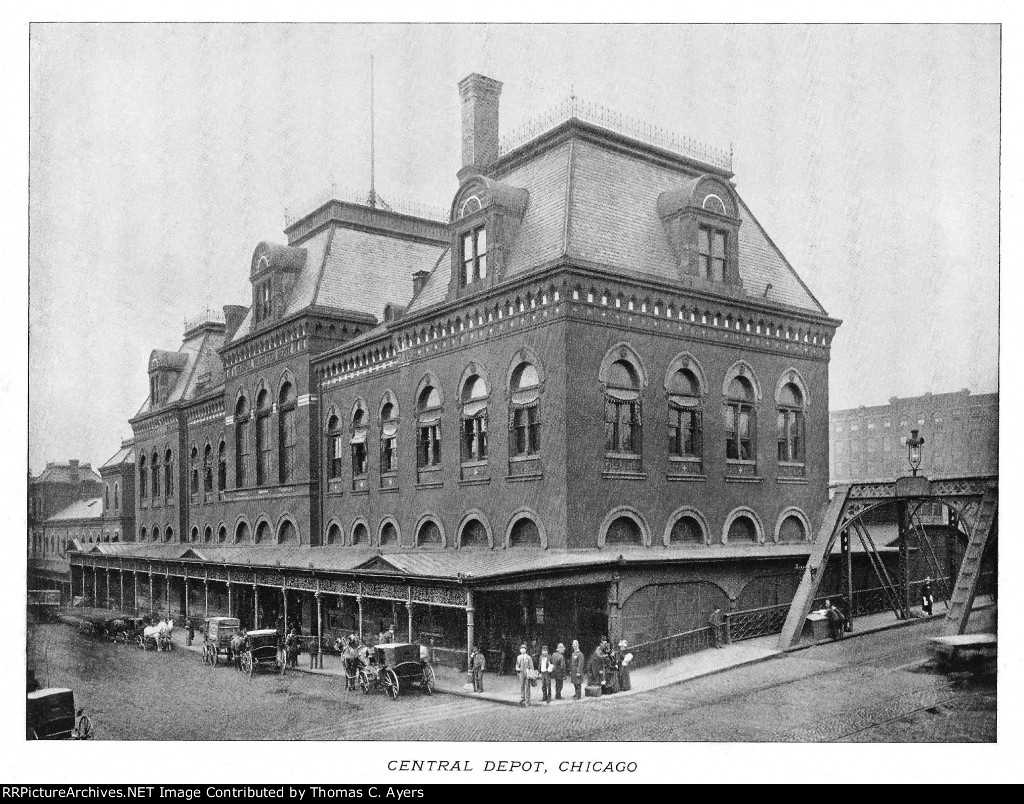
[[914, 444]]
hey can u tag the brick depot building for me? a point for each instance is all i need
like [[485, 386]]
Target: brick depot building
[[594, 400]]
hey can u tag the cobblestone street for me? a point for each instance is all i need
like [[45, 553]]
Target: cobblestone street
[[873, 688]]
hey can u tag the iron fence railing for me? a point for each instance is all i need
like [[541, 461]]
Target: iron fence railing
[[573, 107], [752, 623], [661, 650]]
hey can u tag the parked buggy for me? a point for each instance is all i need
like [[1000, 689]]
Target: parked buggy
[[51, 715], [126, 630], [396, 666], [263, 652], [217, 640]]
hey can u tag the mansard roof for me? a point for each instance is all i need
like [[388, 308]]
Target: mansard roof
[[359, 260], [80, 509], [201, 366], [597, 203]]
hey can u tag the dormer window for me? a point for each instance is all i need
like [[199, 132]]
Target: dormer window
[[474, 256], [711, 248], [262, 301]]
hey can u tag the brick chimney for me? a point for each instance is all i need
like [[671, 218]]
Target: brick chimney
[[233, 316], [419, 279], [479, 122]]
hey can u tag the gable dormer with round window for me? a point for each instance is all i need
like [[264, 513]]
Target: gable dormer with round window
[[702, 223], [273, 273], [485, 220]]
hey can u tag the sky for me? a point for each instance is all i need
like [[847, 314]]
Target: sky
[[160, 155]]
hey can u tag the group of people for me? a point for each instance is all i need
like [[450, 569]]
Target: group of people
[[607, 668]]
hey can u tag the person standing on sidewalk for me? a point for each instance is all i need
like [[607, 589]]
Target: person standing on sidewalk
[[558, 669], [478, 663], [524, 669], [717, 623], [835, 620], [544, 665], [577, 662], [624, 658], [927, 598]]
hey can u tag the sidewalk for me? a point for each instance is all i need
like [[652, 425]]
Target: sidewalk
[[505, 689]]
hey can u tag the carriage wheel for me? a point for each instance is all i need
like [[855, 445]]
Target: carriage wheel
[[247, 664], [142, 643], [283, 666], [428, 679], [363, 681], [390, 682]]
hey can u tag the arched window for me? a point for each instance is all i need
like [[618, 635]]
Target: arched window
[[154, 473], [429, 535], [143, 477], [623, 530], [194, 489], [335, 455], [142, 535], [106, 495], [360, 534], [208, 534], [334, 534], [792, 530], [169, 473], [241, 442], [262, 533], [358, 442], [742, 529], [428, 443], [222, 467], [262, 438], [740, 421], [388, 439], [193, 535], [622, 420], [474, 420], [156, 534], [790, 426], [474, 534], [388, 534], [208, 469], [222, 534], [242, 533], [287, 534], [686, 530], [286, 433], [524, 414], [685, 424], [525, 533], [117, 497]]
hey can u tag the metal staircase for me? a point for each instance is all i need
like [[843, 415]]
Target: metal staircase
[[816, 561], [970, 570]]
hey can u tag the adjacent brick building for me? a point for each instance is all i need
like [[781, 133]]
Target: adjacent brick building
[[961, 434], [593, 400]]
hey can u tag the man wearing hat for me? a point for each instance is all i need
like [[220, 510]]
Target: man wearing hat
[[558, 669]]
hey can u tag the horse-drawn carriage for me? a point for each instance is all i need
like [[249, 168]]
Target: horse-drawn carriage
[[396, 666], [263, 651], [126, 630], [217, 639]]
